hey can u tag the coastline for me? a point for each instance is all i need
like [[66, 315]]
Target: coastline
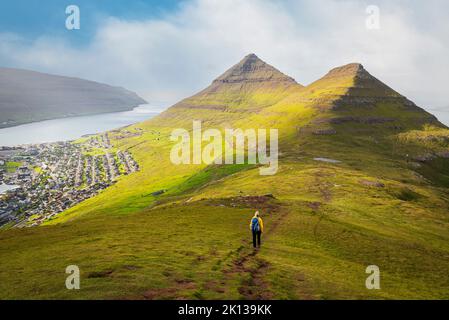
[[74, 127], [83, 114]]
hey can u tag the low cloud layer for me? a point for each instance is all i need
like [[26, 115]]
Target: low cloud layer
[[174, 56]]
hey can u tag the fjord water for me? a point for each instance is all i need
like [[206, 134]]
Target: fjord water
[[71, 128]]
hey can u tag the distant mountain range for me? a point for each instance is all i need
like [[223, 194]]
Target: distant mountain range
[[28, 96]]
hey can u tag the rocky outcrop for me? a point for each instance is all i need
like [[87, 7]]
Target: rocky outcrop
[[424, 157], [369, 183], [324, 132], [362, 120], [444, 154]]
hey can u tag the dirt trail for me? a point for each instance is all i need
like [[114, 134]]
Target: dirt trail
[[251, 268]]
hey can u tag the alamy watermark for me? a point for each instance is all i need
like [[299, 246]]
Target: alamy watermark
[[373, 20], [73, 20], [73, 280], [373, 280], [211, 146]]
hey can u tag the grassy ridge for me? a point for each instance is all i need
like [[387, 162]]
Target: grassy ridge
[[322, 232]]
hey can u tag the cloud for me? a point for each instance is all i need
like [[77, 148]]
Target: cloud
[[173, 56]]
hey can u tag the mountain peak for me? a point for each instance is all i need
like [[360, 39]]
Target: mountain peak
[[253, 69], [354, 79], [349, 70], [250, 57]]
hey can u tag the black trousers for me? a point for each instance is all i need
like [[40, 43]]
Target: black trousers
[[256, 236]]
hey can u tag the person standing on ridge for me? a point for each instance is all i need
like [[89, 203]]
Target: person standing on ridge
[[256, 227]]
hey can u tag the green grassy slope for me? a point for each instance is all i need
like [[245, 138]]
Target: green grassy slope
[[325, 222]]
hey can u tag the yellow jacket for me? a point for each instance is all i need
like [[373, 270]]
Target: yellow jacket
[[260, 223]]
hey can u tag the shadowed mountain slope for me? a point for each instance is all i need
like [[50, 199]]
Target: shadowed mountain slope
[[355, 108], [28, 96], [347, 106], [352, 86]]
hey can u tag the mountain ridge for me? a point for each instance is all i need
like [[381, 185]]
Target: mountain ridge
[[28, 96], [350, 80], [347, 94]]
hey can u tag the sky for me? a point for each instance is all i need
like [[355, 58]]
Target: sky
[[168, 50]]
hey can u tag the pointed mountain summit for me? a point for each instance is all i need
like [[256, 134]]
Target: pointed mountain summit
[[359, 81], [249, 86], [352, 79], [350, 99], [351, 69], [253, 69]]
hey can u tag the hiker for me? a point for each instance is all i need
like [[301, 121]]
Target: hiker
[[256, 227]]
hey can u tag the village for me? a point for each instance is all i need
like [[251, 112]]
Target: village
[[46, 179]]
